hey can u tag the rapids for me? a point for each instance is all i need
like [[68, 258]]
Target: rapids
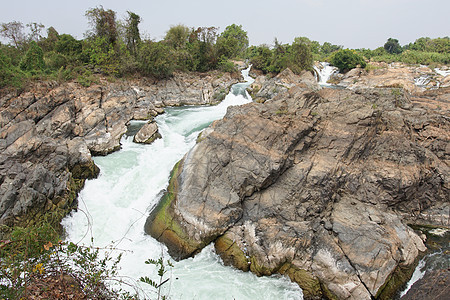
[[113, 209]]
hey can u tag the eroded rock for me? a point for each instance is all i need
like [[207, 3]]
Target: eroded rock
[[317, 185]]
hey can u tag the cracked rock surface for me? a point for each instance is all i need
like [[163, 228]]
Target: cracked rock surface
[[49, 132], [316, 185]]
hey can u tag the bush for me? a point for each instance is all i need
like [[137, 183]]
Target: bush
[[226, 66], [33, 61], [34, 263], [347, 59], [156, 59], [68, 45], [10, 76]]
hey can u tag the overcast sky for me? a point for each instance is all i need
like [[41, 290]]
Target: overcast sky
[[351, 23]]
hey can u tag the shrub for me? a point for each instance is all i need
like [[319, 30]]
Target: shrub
[[68, 45], [226, 66], [34, 263], [33, 61], [10, 76], [156, 59], [347, 59]]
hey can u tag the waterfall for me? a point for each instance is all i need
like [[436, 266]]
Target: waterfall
[[324, 71], [113, 209]]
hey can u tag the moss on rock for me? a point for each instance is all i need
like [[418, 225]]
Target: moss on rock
[[231, 253], [162, 226]]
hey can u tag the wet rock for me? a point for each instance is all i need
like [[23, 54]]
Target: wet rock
[[317, 185], [147, 134], [434, 285], [49, 132]]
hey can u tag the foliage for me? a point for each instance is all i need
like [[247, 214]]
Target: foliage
[[300, 56], [33, 61], [156, 59], [260, 57], [67, 44], [297, 56], [132, 36], [426, 44], [33, 259], [162, 270], [346, 59], [225, 65], [103, 24], [202, 46], [232, 42], [100, 53], [177, 36], [392, 46], [35, 31], [10, 76]]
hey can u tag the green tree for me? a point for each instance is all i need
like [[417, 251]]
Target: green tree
[[280, 58], [156, 59], [49, 43], [392, 46], [10, 76], [300, 55], [201, 46], [232, 42], [68, 45], [33, 61], [103, 24], [132, 36], [260, 57], [346, 59], [177, 36], [328, 48]]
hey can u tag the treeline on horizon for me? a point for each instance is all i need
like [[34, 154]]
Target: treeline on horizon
[[115, 48]]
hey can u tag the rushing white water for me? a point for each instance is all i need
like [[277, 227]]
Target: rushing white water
[[325, 73], [422, 81], [113, 209], [418, 274], [442, 72]]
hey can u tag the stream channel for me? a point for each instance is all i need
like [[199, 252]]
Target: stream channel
[[113, 209]]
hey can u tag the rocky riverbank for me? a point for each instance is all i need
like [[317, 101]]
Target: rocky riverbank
[[316, 184], [49, 132], [413, 79]]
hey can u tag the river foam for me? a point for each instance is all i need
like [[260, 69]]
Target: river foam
[[113, 209]]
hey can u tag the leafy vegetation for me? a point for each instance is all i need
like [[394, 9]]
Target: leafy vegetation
[[346, 59], [424, 51], [115, 48], [298, 56], [36, 264]]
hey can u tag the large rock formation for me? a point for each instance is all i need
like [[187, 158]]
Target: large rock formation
[[316, 185], [49, 132], [413, 79]]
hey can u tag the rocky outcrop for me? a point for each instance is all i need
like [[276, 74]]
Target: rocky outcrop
[[147, 134], [49, 132], [264, 87], [316, 185], [434, 285], [396, 75]]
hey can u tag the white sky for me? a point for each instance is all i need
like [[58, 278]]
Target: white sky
[[351, 23]]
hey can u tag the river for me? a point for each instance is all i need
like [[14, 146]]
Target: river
[[113, 209]]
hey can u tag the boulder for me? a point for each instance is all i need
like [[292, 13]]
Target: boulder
[[265, 88], [147, 134], [49, 132], [315, 185]]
